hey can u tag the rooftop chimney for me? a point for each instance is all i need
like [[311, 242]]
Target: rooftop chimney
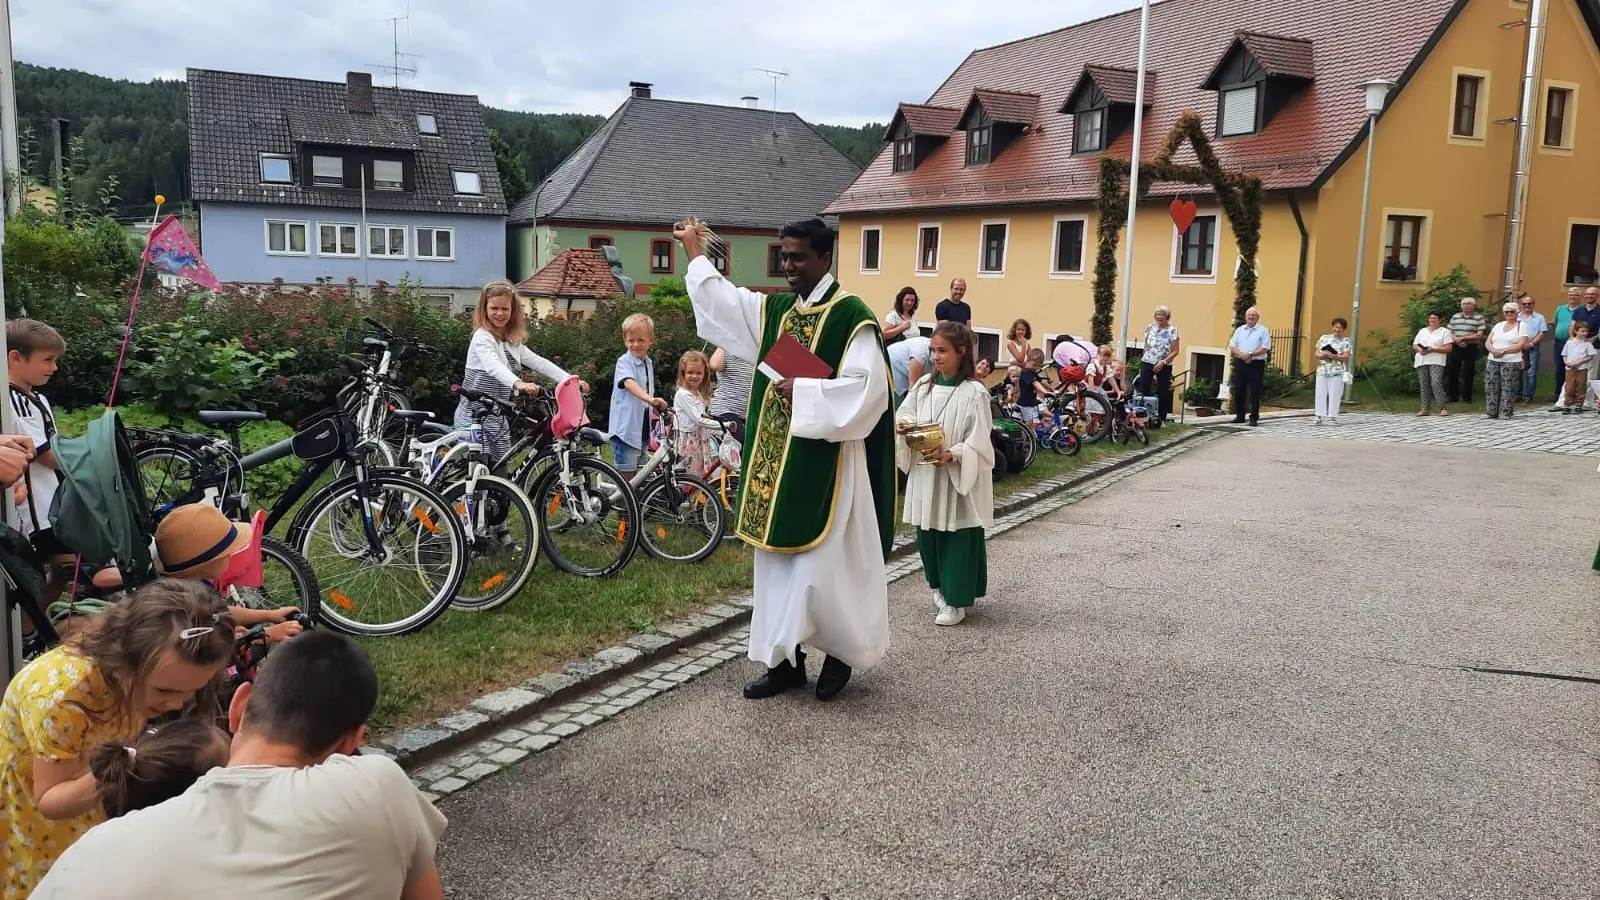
[[358, 92], [640, 89], [751, 102]]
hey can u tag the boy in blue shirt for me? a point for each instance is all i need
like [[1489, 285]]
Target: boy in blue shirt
[[633, 389]]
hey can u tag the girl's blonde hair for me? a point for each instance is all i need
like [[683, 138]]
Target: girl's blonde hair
[[689, 358], [638, 322], [516, 330]]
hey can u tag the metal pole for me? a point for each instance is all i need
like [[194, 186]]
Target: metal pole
[[366, 237], [1519, 189], [8, 115], [1361, 251], [1133, 178]]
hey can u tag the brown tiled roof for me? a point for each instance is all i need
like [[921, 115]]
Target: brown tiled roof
[[1016, 107], [1118, 85], [575, 274], [1356, 40], [1280, 55], [928, 121]]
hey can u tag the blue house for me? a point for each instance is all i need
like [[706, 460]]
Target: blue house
[[299, 179]]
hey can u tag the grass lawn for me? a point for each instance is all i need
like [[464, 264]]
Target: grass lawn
[[1369, 399], [558, 618]]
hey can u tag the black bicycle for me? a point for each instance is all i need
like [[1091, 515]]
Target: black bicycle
[[387, 551]]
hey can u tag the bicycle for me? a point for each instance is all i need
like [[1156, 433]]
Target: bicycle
[[371, 396], [1057, 432], [681, 517], [500, 522], [726, 462], [588, 516], [388, 552], [1090, 408], [1128, 422]]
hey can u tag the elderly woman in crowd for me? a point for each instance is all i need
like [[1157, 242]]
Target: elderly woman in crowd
[[1433, 345], [1333, 361], [1502, 374], [1155, 366]]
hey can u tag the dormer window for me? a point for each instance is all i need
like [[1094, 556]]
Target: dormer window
[[1101, 106], [993, 119], [388, 175], [327, 171], [916, 131], [427, 124], [980, 143], [905, 154], [1256, 78]]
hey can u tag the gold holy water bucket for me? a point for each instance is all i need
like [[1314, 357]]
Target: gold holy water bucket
[[927, 440]]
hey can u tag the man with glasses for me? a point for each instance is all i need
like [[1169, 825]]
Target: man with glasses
[[1467, 329], [1560, 328], [1535, 327]]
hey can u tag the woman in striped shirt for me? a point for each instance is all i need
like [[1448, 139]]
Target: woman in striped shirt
[[730, 401]]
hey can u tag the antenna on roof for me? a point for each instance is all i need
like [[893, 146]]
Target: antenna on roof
[[776, 75], [398, 69]]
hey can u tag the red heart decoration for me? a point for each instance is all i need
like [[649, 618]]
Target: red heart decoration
[[1183, 213]]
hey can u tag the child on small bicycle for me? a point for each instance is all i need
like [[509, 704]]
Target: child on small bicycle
[[496, 356], [689, 412]]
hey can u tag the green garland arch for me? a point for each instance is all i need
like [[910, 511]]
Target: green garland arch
[[1239, 194]]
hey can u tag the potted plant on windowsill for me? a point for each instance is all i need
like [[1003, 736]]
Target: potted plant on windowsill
[[1395, 270], [1201, 395]]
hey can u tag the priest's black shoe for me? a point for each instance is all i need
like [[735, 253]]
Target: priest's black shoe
[[782, 677], [835, 675]]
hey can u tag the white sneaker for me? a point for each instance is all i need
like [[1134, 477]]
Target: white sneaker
[[938, 600], [950, 615], [1319, 420], [1558, 408]]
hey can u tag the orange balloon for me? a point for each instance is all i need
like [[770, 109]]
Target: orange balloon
[[161, 199]]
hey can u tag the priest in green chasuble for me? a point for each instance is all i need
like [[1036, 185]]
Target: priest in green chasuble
[[816, 499]]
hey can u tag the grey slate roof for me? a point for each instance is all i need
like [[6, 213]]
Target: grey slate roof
[[655, 161], [235, 117]]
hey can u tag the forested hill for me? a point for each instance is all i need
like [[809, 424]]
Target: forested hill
[[137, 132]]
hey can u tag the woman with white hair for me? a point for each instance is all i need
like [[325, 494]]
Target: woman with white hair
[[1160, 349], [1502, 374]]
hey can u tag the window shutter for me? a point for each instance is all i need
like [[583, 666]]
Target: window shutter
[[1239, 111]]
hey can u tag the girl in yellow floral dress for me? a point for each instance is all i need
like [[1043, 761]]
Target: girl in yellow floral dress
[[147, 656]]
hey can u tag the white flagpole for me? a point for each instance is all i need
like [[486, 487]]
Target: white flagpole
[[10, 622], [1133, 175]]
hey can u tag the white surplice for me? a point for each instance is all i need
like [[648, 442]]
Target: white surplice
[[961, 494], [832, 597]]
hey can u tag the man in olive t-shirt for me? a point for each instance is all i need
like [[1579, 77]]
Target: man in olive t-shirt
[[293, 814]]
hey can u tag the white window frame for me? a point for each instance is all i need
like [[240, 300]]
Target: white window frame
[[1423, 240], [288, 162], [1216, 252], [1480, 118], [938, 249], [355, 230], [1083, 251], [455, 181], [288, 224], [862, 256], [1569, 123], [432, 119], [1079, 120], [1005, 249], [315, 176], [1000, 344], [373, 248], [399, 183], [1222, 109], [416, 243]]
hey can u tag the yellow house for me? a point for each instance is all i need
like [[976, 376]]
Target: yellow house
[[994, 179]]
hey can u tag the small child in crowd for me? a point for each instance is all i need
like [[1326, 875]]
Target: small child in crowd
[[33, 349], [1576, 356], [951, 500], [1030, 385], [633, 394], [689, 408], [159, 764]]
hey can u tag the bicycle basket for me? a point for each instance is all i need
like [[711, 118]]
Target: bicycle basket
[[317, 438]]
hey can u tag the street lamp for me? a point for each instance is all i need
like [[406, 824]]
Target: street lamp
[[1377, 94]]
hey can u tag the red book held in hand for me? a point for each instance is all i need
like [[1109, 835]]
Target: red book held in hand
[[789, 358]]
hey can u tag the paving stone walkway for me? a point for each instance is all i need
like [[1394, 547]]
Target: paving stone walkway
[[515, 744], [1532, 429]]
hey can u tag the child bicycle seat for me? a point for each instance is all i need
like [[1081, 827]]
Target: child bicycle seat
[[570, 414]]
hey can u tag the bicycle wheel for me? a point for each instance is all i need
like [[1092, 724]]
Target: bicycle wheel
[[1096, 415], [588, 517], [1064, 441], [681, 519], [1138, 430], [1030, 447], [399, 586], [286, 580], [502, 537], [167, 473], [1120, 431]]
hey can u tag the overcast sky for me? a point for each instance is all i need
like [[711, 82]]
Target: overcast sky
[[850, 61]]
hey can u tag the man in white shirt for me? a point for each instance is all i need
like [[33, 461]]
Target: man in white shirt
[[1250, 346], [293, 814], [1537, 329]]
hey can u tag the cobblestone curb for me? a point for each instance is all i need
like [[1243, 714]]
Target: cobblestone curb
[[506, 726]]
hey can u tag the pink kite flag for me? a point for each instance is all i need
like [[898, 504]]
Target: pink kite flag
[[171, 249]]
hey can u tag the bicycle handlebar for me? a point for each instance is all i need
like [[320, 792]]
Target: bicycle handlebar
[[485, 399]]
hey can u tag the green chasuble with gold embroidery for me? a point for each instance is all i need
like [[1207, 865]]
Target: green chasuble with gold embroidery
[[790, 486]]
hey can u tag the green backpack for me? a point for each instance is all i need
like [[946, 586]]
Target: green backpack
[[100, 510]]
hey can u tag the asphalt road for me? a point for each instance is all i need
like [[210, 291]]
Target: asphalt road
[[1238, 675]]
